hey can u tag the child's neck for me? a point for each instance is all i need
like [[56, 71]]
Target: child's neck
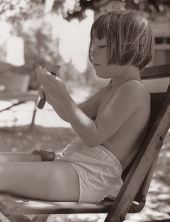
[[127, 73]]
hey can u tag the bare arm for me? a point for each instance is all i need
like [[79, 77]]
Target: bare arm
[[126, 101], [124, 104], [89, 107], [55, 91]]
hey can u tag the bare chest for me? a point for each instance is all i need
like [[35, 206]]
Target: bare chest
[[108, 94]]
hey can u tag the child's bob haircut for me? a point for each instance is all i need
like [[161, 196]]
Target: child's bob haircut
[[129, 37]]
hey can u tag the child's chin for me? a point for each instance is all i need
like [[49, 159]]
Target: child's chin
[[101, 75]]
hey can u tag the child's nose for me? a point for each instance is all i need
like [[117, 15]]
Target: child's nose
[[92, 55]]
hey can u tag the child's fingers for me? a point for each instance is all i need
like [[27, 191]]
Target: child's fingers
[[49, 82], [39, 72], [41, 93], [42, 99], [35, 152], [57, 70], [44, 75], [47, 155]]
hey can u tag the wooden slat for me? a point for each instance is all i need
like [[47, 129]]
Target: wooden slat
[[18, 205], [141, 166], [161, 71]]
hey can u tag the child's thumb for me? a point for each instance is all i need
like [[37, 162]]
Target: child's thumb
[[41, 93], [56, 70]]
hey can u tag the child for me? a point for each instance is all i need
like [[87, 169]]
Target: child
[[110, 125]]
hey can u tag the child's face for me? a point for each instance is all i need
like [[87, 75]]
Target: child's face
[[100, 59], [99, 56]]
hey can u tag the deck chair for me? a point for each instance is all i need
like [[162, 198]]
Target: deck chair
[[137, 176]]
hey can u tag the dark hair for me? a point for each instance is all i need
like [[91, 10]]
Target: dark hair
[[129, 37]]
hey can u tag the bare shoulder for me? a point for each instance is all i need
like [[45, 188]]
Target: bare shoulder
[[135, 91], [133, 86]]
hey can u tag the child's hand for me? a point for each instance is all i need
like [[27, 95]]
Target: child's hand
[[45, 155], [55, 91], [54, 71], [54, 88]]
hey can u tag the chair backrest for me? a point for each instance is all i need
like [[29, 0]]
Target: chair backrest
[[157, 99], [137, 177], [154, 72], [157, 102]]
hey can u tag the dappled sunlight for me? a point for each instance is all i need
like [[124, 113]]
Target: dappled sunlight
[[53, 138], [48, 37], [50, 132], [22, 115]]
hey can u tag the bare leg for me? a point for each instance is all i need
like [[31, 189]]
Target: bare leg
[[6, 157], [41, 180], [18, 157]]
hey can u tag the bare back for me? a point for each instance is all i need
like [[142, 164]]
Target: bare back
[[124, 143]]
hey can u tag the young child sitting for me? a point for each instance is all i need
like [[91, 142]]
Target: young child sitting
[[110, 125]]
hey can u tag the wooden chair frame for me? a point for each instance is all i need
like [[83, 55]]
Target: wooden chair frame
[[137, 177]]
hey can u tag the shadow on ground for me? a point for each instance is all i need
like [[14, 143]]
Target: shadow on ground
[[21, 139]]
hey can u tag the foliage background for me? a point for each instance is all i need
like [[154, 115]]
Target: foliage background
[[31, 21]]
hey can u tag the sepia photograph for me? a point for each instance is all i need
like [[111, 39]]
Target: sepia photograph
[[84, 110]]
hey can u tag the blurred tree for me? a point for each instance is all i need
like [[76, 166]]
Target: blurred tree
[[29, 20], [15, 10], [39, 49]]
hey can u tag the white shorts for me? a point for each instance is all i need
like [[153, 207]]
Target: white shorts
[[99, 173]]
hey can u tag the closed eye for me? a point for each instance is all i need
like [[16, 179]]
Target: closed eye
[[102, 46]]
